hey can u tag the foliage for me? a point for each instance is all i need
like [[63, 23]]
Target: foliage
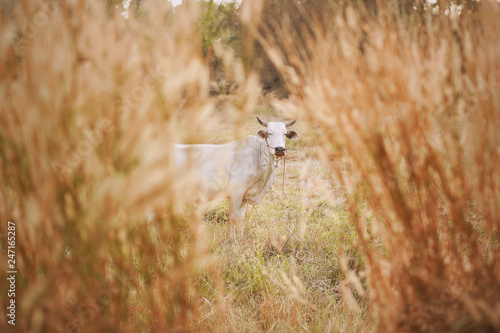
[[219, 23]]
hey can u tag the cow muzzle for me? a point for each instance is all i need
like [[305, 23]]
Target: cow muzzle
[[279, 151]]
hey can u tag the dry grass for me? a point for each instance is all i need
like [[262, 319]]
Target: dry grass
[[408, 116], [90, 103], [391, 217]]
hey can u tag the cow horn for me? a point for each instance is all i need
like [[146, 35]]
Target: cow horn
[[262, 122], [290, 123]]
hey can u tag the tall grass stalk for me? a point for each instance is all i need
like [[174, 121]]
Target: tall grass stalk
[[408, 117], [90, 105]]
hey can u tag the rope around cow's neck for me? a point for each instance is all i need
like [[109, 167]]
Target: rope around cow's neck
[[284, 165], [284, 168]]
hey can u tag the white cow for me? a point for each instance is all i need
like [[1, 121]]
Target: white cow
[[244, 169]]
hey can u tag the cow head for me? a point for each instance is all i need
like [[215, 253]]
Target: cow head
[[275, 134]]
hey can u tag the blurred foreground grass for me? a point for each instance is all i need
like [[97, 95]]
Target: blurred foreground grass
[[391, 215]]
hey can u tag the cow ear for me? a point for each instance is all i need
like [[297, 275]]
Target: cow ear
[[292, 135], [262, 134]]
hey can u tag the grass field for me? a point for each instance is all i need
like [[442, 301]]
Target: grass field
[[286, 273], [389, 217]]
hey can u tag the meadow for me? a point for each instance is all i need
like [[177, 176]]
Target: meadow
[[387, 218]]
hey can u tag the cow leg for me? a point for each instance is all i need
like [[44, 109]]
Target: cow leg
[[241, 218], [236, 215]]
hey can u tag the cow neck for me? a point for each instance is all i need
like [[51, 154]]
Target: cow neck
[[267, 159]]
